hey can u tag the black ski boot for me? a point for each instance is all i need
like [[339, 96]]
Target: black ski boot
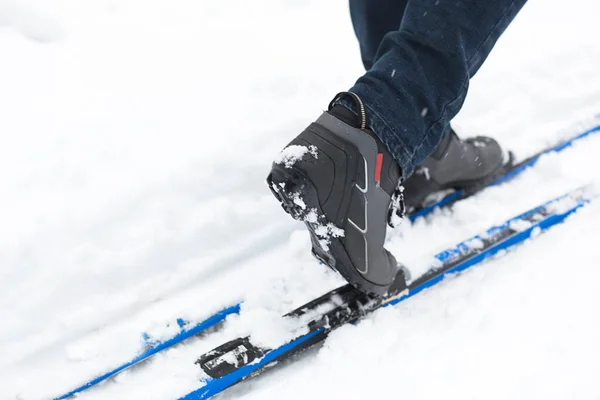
[[456, 164], [339, 179]]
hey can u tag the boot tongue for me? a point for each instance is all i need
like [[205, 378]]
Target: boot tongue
[[344, 114]]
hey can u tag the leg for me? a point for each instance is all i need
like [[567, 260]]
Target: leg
[[372, 20], [420, 78], [341, 174]]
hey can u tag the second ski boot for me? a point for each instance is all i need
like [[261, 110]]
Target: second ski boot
[[341, 180], [465, 165]]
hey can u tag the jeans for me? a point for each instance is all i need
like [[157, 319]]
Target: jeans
[[419, 56]]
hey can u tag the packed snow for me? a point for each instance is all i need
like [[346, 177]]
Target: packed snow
[[293, 153], [325, 231], [137, 136]]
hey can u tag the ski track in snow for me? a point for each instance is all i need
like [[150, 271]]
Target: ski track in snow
[[137, 138]]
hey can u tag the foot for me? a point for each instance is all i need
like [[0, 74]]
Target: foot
[[339, 179], [456, 165]]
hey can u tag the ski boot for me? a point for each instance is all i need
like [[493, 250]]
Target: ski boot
[[341, 180], [465, 165]]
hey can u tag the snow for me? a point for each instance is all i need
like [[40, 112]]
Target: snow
[[325, 231], [137, 136], [292, 154], [519, 225]]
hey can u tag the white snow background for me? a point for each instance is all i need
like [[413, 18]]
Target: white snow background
[[135, 139]]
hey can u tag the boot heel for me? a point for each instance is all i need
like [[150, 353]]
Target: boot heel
[[298, 197], [287, 185]]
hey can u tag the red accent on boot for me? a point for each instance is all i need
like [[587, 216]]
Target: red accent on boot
[[378, 168]]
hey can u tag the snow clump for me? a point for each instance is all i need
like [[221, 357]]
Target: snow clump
[[324, 231], [291, 154]]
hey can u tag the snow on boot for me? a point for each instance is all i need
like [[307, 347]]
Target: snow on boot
[[339, 179], [456, 164]]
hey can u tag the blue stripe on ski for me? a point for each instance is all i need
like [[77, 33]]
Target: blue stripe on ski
[[530, 163], [235, 309], [556, 149], [509, 242], [181, 336], [213, 386]]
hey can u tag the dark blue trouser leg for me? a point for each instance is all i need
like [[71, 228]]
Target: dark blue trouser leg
[[420, 74], [371, 20]]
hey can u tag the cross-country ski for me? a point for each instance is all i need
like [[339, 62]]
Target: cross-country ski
[[285, 199]]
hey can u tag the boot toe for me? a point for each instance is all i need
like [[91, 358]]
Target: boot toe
[[490, 155]]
